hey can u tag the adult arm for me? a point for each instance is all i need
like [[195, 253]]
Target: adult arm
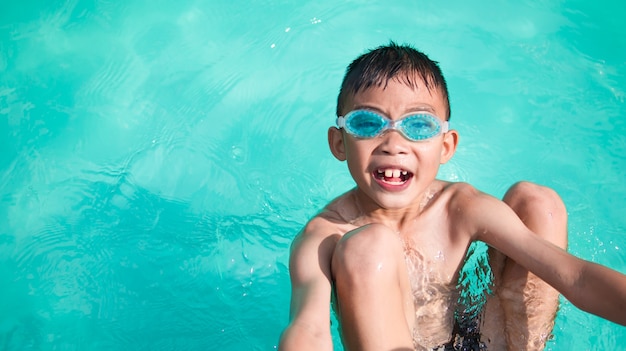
[[310, 272]]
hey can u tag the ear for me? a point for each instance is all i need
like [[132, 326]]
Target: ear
[[336, 144], [450, 141]]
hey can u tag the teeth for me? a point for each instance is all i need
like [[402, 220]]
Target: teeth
[[392, 173]]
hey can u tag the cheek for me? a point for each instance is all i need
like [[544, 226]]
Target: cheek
[[428, 150], [429, 156], [360, 150], [358, 157], [357, 161]]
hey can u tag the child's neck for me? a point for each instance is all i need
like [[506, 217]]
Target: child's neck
[[395, 219]]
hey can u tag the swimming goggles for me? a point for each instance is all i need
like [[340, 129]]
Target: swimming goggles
[[366, 124]]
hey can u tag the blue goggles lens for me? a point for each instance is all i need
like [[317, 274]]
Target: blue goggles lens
[[367, 124]]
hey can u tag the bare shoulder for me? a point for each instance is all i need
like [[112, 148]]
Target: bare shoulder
[[459, 197], [485, 217], [461, 190], [333, 221], [465, 195], [470, 208], [317, 240], [316, 231]]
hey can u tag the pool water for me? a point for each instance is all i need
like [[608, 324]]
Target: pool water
[[157, 158]]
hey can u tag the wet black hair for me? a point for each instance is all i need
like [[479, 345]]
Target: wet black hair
[[402, 62]]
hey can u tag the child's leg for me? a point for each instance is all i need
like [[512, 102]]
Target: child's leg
[[526, 304], [375, 304]]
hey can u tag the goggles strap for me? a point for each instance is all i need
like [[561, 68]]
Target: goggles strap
[[341, 122]]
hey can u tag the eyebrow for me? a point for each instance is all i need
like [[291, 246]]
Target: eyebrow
[[417, 108]]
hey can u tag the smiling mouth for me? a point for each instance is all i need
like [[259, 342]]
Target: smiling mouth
[[392, 176]]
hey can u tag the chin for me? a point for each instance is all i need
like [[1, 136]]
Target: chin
[[394, 202]]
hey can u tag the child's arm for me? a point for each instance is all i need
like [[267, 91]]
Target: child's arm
[[309, 267], [589, 286]]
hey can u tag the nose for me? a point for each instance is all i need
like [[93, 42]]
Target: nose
[[393, 143]]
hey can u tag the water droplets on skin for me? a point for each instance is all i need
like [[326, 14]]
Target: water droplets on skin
[[440, 256], [432, 297]]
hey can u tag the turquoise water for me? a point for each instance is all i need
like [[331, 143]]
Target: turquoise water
[[156, 158]]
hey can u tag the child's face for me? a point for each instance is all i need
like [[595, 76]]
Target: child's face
[[390, 169]]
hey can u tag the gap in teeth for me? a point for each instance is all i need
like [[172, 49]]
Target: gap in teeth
[[393, 173]]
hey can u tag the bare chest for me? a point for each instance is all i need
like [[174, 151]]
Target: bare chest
[[435, 252]]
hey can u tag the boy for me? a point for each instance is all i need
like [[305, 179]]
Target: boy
[[390, 250]]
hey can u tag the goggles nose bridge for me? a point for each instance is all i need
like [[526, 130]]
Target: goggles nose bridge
[[393, 125]]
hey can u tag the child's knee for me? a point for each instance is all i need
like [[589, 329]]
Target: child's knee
[[526, 197], [541, 209], [366, 250]]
